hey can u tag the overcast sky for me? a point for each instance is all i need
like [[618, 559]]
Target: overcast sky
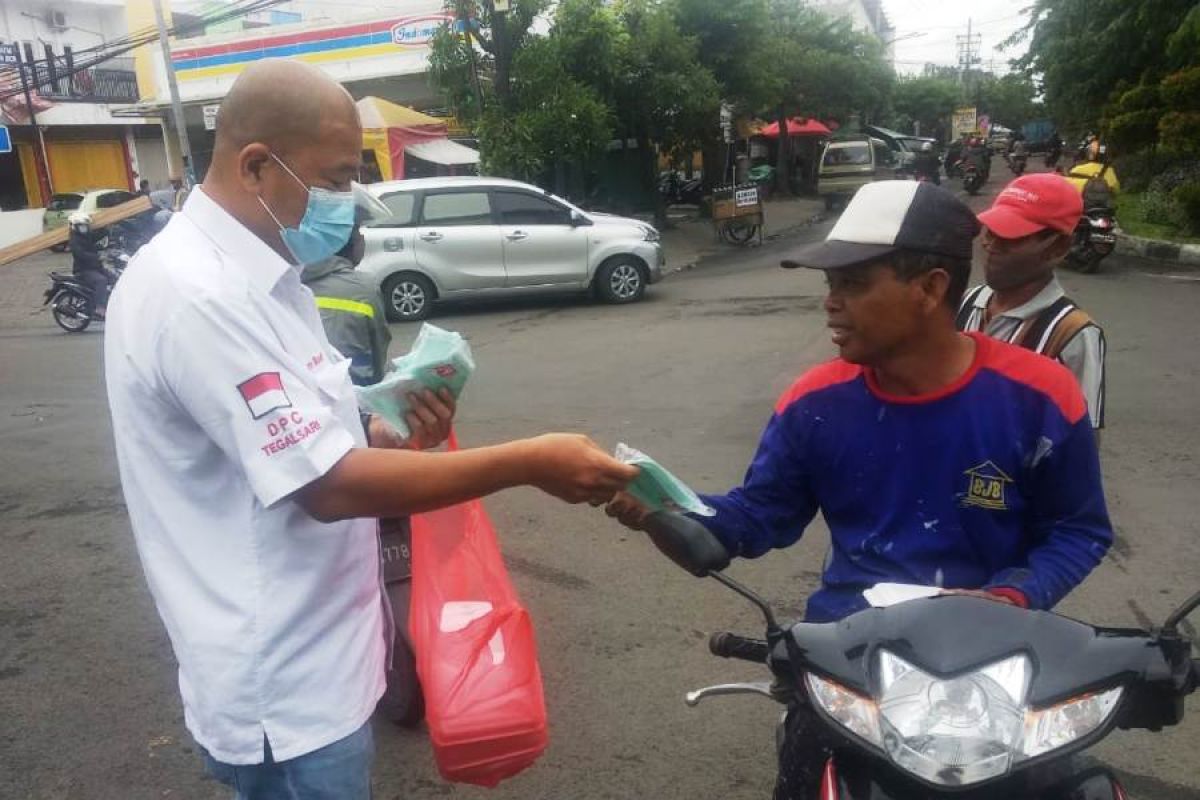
[[942, 20]]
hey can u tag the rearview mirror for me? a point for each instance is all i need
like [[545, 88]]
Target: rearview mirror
[[686, 542], [578, 219]]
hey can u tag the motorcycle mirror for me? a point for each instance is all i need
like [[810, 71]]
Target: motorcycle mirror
[[1181, 613], [686, 542]]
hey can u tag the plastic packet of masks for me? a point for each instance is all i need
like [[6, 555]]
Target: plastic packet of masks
[[439, 359], [656, 488]]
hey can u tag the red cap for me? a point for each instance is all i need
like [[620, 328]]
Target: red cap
[[1034, 203]]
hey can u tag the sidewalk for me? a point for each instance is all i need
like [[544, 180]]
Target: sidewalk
[[693, 238]]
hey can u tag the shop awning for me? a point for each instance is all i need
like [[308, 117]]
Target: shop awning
[[443, 151], [796, 127]]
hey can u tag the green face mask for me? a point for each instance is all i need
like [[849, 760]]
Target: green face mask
[[656, 488]]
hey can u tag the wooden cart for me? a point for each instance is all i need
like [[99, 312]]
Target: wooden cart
[[737, 213]]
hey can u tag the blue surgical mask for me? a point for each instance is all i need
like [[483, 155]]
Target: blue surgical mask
[[325, 227]]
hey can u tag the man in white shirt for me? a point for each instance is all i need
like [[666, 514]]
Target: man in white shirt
[[1027, 233], [252, 487]]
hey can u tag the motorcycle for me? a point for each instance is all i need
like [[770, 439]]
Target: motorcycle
[[972, 178], [677, 190], [952, 696], [1017, 164], [71, 301], [1095, 237]]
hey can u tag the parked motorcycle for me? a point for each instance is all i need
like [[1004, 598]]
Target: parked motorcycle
[[1095, 237], [953, 696], [676, 189]]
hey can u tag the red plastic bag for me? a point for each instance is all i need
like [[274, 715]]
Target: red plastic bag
[[476, 654]]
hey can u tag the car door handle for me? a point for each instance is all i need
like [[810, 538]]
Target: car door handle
[[517, 236], [432, 236]]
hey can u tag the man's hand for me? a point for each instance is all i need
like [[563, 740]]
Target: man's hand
[[429, 420], [627, 510], [575, 469]]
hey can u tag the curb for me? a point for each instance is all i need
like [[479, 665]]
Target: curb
[[1181, 255]]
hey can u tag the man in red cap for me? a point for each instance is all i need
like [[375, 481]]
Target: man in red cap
[[1027, 233]]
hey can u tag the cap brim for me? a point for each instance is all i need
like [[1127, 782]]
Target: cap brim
[[833, 254], [1008, 224]]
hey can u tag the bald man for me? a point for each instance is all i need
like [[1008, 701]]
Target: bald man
[[253, 484]]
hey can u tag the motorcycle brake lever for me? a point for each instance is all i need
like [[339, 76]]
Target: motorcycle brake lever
[[763, 688]]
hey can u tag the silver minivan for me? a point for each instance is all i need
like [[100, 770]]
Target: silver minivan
[[463, 237]]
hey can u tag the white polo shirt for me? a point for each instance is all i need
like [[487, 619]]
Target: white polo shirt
[[226, 398]]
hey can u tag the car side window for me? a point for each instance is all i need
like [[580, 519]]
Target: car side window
[[457, 208], [400, 205], [520, 208]]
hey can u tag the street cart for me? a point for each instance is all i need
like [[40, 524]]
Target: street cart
[[737, 213]]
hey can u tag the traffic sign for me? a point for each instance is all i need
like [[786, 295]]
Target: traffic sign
[[10, 56], [5, 140]]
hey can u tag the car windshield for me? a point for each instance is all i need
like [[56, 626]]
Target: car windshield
[[64, 202], [848, 155]]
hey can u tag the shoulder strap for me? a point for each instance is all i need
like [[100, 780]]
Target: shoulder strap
[[968, 305], [1037, 333], [1065, 331]]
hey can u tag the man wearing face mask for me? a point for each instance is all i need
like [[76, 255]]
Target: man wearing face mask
[[1027, 233], [252, 483]]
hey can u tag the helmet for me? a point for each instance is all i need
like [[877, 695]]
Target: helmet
[[926, 147], [81, 220]]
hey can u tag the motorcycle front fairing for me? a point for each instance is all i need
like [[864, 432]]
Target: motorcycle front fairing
[[951, 639]]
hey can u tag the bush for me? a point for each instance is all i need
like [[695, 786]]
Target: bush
[[1134, 130], [1157, 207], [1187, 204], [1180, 131], [1173, 174], [1182, 89], [1136, 170]]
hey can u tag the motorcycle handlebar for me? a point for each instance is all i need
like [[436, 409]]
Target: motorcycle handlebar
[[730, 645]]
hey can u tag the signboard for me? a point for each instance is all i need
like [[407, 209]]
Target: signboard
[[746, 197], [10, 56], [963, 122], [5, 140], [210, 116], [419, 31], [985, 124]]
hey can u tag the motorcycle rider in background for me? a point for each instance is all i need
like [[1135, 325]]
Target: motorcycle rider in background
[[84, 244], [926, 165]]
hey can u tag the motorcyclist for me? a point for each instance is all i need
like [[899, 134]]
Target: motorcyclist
[[935, 457], [926, 164], [978, 155], [84, 244]]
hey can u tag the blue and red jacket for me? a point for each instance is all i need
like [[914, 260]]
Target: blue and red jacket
[[993, 482]]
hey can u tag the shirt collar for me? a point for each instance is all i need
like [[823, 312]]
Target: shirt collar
[[1049, 294], [263, 265]]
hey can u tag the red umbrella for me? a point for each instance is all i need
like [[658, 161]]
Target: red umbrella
[[796, 127]]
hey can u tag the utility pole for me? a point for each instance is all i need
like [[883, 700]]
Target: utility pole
[[968, 53], [45, 182], [185, 147]]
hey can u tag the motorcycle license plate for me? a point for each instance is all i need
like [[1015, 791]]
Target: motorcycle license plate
[[1104, 238]]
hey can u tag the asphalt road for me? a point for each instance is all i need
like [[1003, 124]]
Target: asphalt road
[[88, 701]]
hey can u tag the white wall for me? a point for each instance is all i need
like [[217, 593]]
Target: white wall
[[89, 23]]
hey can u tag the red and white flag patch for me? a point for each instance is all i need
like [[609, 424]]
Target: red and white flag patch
[[264, 393]]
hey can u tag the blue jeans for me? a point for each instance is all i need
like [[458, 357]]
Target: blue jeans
[[338, 771]]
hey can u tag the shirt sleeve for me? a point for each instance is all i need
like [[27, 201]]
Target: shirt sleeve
[[775, 502], [1084, 356], [270, 417], [1069, 524]]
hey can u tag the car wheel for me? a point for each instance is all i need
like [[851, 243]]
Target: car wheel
[[621, 280], [408, 297]]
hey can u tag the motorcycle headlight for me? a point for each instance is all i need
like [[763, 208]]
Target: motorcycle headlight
[[963, 730]]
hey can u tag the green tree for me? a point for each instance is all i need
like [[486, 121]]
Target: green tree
[[927, 101], [1010, 100], [1082, 49]]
